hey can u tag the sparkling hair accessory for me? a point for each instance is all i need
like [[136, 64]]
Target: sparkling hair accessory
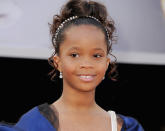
[[72, 18]]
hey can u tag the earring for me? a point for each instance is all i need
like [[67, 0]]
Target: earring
[[103, 77], [60, 76]]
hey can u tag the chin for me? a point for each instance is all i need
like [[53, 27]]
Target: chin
[[87, 87]]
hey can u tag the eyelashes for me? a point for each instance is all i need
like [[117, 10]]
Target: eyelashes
[[97, 55], [74, 55]]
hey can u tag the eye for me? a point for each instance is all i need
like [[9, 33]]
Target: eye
[[74, 55], [97, 55]]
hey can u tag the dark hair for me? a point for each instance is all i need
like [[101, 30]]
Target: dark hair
[[82, 9]]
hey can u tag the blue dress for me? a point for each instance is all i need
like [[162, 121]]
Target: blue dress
[[37, 119]]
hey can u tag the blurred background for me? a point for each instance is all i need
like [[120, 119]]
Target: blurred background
[[25, 46]]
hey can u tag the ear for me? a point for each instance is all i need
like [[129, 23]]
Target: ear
[[57, 62], [107, 62]]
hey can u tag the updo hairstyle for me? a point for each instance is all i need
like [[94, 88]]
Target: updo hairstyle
[[82, 9]]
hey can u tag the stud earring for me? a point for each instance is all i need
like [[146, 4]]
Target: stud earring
[[103, 77], [60, 76]]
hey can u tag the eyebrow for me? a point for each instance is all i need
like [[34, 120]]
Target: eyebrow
[[77, 48], [74, 48]]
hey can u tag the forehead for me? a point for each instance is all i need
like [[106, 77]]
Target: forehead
[[84, 36], [84, 30]]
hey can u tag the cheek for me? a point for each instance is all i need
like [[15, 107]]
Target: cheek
[[68, 67], [101, 68]]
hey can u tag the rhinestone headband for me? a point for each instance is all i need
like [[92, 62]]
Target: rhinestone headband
[[70, 19]]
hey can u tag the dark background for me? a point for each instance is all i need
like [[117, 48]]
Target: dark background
[[139, 91]]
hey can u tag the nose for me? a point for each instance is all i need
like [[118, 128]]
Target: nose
[[86, 63]]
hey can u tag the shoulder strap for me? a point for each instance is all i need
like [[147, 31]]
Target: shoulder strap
[[113, 120]]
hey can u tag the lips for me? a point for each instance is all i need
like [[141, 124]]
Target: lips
[[86, 77]]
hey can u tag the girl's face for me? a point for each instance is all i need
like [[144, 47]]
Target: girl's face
[[83, 58]]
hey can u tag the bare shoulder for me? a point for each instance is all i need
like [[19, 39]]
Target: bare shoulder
[[120, 122]]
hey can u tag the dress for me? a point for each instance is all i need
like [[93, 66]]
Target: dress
[[43, 118]]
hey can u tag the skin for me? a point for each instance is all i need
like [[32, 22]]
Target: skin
[[84, 51]]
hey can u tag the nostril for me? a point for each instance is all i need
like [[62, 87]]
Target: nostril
[[86, 65]]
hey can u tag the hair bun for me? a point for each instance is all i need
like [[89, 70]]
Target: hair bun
[[84, 8]]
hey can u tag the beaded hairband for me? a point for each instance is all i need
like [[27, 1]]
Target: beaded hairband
[[72, 18]]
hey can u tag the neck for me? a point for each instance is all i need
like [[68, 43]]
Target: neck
[[74, 100]]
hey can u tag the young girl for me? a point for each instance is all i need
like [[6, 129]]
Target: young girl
[[82, 37]]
